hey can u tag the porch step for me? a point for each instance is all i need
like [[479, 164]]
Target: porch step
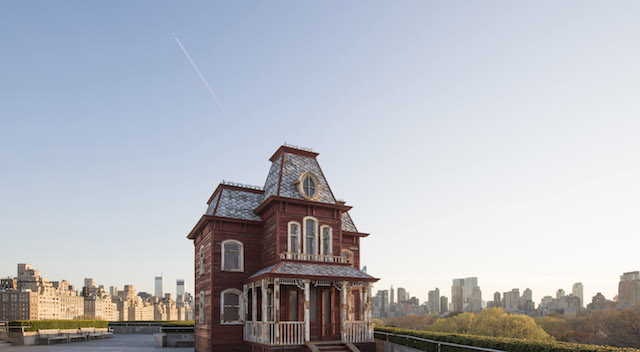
[[331, 346]]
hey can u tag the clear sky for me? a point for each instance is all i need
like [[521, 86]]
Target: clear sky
[[497, 139]]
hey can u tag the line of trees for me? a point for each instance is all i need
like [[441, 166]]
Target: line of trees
[[489, 322], [612, 327], [618, 328]]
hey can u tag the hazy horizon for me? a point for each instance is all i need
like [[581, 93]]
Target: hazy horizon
[[492, 139]]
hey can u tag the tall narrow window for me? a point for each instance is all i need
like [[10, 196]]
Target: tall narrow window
[[294, 237], [201, 254], [230, 306], [310, 236], [326, 247], [201, 308], [232, 256]]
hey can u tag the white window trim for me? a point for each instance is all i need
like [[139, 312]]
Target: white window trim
[[201, 306], [241, 259], [315, 239], [350, 255], [202, 267], [240, 303], [300, 183], [330, 240], [289, 249]]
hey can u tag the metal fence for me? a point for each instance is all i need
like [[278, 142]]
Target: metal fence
[[438, 344]]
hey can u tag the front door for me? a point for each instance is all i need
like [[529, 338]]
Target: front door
[[328, 314], [325, 314]]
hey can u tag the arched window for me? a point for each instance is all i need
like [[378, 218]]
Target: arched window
[[326, 240], [231, 306], [201, 308], [232, 255], [310, 235], [294, 237], [347, 254], [201, 257]]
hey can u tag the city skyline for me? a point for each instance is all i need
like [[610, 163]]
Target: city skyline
[[168, 286], [507, 155], [487, 295]]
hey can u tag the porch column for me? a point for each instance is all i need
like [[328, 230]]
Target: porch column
[[367, 312], [351, 301], [265, 329], [245, 302], [361, 291], [343, 309], [276, 307], [254, 304], [307, 293]]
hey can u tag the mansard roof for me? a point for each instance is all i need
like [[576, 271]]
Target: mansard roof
[[347, 223], [239, 201], [318, 271], [235, 201], [288, 164]]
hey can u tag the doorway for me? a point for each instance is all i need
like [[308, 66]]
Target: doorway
[[324, 317]]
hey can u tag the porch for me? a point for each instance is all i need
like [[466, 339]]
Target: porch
[[294, 311]]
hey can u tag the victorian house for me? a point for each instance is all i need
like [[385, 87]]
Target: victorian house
[[278, 267]]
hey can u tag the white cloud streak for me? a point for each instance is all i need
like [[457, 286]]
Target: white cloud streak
[[204, 80]]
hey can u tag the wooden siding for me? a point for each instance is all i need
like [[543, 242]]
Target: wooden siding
[[202, 283], [262, 242]]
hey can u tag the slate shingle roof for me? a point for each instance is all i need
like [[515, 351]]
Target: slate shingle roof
[[271, 183], [281, 181], [296, 165], [235, 204], [320, 270], [347, 223]]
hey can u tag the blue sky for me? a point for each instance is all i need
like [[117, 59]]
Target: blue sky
[[496, 139]]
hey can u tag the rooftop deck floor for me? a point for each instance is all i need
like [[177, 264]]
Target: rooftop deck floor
[[119, 342]]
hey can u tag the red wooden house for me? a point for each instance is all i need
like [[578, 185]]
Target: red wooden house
[[277, 267]]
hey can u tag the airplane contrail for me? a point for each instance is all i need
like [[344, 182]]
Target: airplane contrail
[[204, 80]]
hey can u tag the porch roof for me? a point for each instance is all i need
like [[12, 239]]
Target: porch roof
[[313, 271]]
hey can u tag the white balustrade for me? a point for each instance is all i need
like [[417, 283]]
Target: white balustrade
[[290, 333], [359, 331], [315, 257]]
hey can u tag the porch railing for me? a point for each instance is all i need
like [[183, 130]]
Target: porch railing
[[289, 332], [358, 331], [315, 257]]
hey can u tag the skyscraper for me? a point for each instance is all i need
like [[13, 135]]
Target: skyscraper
[[402, 294], [629, 289], [159, 287], [475, 303], [510, 300], [433, 302], [179, 288], [444, 305], [578, 291], [560, 293], [391, 295], [469, 284], [457, 295]]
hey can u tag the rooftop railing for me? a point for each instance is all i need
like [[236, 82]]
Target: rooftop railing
[[242, 185], [315, 257], [438, 344]]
